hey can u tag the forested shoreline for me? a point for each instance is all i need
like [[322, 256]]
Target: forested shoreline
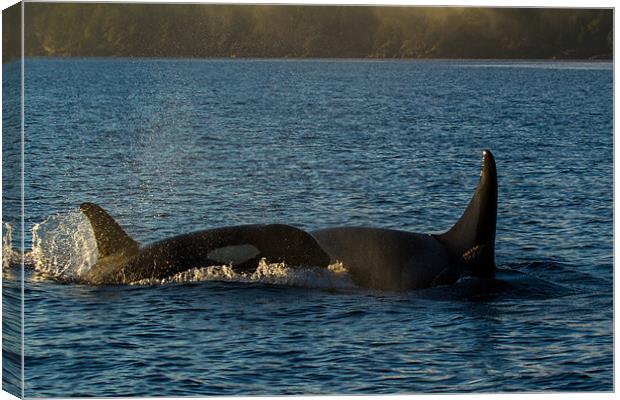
[[197, 30]]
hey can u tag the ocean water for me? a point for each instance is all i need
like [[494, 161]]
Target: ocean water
[[173, 146]]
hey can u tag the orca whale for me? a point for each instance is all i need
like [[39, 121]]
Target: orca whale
[[123, 260], [396, 260]]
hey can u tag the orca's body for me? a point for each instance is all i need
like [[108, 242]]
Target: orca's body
[[397, 260], [123, 260]]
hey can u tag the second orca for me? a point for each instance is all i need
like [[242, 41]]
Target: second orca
[[390, 259]]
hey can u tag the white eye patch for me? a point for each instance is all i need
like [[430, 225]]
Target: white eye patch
[[237, 254]]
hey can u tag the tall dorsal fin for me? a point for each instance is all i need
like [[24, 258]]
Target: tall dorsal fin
[[111, 238], [472, 238]]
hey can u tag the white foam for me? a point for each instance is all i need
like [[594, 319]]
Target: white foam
[[335, 276]]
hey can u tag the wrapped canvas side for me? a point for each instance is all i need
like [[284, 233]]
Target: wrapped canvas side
[[12, 201]]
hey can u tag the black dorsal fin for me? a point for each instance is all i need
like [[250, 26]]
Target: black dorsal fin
[[472, 238], [111, 238]]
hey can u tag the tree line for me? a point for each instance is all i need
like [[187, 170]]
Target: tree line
[[197, 30]]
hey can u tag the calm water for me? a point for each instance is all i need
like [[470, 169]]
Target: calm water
[[171, 146]]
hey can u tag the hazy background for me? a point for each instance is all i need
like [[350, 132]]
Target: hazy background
[[197, 30]]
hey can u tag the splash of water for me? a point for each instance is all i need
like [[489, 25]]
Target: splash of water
[[12, 258], [64, 246], [7, 249], [335, 276]]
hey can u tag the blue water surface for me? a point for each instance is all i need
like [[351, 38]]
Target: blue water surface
[[171, 146]]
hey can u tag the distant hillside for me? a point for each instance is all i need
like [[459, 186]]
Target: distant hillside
[[175, 30]]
